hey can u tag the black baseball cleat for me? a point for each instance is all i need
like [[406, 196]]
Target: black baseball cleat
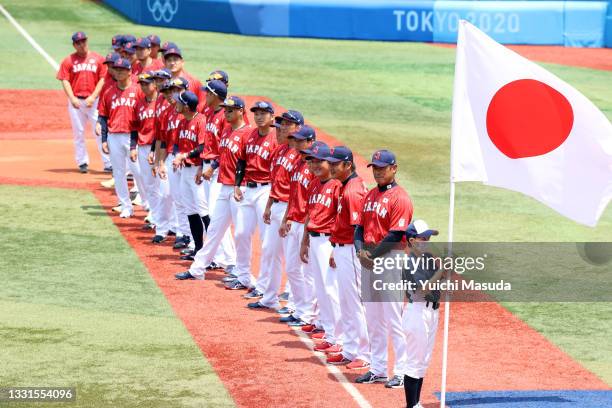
[[187, 251], [285, 310], [235, 285], [187, 257], [181, 242], [171, 233], [212, 266], [370, 378], [288, 319], [83, 168], [253, 294], [396, 381], [148, 226], [283, 297], [158, 239], [229, 278], [257, 305], [108, 169], [187, 276]]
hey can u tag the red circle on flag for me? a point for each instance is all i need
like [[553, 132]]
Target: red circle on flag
[[528, 118]]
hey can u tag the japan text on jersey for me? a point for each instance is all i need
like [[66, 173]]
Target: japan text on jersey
[[160, 109], [230, 143], [123, 101], [212, 127], [286, 161], [377, 207], [321, 198], [301, 178], [145, 113], [259, 150], [90, 66], [173, 124], [188, 134]]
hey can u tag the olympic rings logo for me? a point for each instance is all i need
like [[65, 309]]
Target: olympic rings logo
[[163, 9]]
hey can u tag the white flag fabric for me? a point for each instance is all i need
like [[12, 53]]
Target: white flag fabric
[[517, 126]]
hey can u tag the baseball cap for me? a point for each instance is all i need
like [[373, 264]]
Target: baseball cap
[[264, 106], [292, 116], [173, 51], [142, 42], [129, 38], [154, 39], [129, 47], [304, 133], [382, 158], [318, 150], [166, 45], [162, 73], [339, 154], [166, 85], [179, 82], [187, 98], [111, 57], [277, 121], [117, 42], [146, 77], [419, 229], [78, 36], [216, 87], [218, 75], [233, 102], [122, 63]]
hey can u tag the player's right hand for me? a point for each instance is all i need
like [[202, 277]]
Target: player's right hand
[[207, 174], [304, 253], [98, 129], [105, 147], [198, 176], [284, 228], [267, 216], [163, 174], [133, 155], [332, 262], [76, 103], [151, 158]]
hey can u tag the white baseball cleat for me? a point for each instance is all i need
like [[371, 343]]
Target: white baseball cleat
[[137, 200], [110, 183], [127, 213]]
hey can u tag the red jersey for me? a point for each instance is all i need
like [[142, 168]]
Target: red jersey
[[83, 73], [323, 205], [229, 149], [195, 86], [119, 107], [155, 64], [384, 211], [170, 123], [191, 134], [144, 120], [215, 123], [257, 151], [298, 192], [350, 204], [283, 161]]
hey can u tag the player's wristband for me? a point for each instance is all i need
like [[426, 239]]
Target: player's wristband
[[214, 164], [104, 128]]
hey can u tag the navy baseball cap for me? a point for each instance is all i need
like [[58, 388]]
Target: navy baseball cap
[[154, 39], [78, 36], [117, 42], [166, 85], [111, 57], [173, 51], [129, 48], [263, 106], [277, 121], [218, 75], [162, 74], [146, 78], [382, 158], [167, 45], [216, 87], [317, 150], [122, 63], [304, 133], [233, 102], [292, 116], [142, 42], [419, 229], [129, 38], [179, 83], [187, 98], [339, 154]]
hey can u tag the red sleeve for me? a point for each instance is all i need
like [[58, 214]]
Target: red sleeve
[[64, 70], [202, 138], [103, 68], [136, 124], [354, 200], [401, 214]]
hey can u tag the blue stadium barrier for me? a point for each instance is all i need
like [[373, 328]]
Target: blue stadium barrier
[[570, 23]]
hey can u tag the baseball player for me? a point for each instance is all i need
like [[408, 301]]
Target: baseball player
[[128, 51], [82, 75], [292, 230], [173, 61], [155, 45], [387, 211], [253, 167], [117, 43], [116, 118], [170, 121], [231, 140], [192, 137], [420, 317], [143, 55], [316, 249], [344, 263]]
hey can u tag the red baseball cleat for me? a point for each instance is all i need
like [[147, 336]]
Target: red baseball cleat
[[357, 365], [318, 336], [322, 346], [337, 359], [333, 349], [309, 328]]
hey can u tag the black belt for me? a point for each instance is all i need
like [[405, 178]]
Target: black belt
[[187, 165], [82, 97], [274, 200], [434, 305], [252, 184], [318, 234], [207, 161], [340, 245]]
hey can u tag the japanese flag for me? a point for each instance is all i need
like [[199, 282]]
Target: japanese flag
[[517, 126]]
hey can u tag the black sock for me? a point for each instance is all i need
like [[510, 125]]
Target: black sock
[[206, 221], [197, 230], [411, 388], [419, 389]]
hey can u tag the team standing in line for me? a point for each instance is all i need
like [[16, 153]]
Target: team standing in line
[[201, 167]]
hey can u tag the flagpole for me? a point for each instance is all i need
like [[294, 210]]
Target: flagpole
[[451, 222]]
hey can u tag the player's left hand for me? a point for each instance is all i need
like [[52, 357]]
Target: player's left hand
[[133, 155], [98, 129], [198, 176], [304, 253], [365, 257], [105, 147], [177, 163], [332, 262], [89, 101], [151, 158], [207, 174], [238, 196]]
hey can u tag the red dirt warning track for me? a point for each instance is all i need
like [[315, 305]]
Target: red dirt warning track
[[262, 362]]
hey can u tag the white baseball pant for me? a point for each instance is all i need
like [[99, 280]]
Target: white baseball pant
[[166, 212], [150, 183], [356, 344], [302, 283], [226, 253], [193, 197], [174, 181], [225, 212], [78, 119], [272, 248], [249, 215], [119, 147], [420, 325]]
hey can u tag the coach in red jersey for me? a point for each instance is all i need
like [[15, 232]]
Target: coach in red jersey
[[386, 213], [173, 61], [118, 133], [82, 75], [344, 263]]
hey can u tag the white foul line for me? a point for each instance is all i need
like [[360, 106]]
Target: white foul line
[[335, 371], [27, 36]]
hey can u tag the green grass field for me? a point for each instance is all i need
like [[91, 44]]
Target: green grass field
[[369, 95]]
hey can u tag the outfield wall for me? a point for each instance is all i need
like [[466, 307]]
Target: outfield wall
[[569, 23]]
